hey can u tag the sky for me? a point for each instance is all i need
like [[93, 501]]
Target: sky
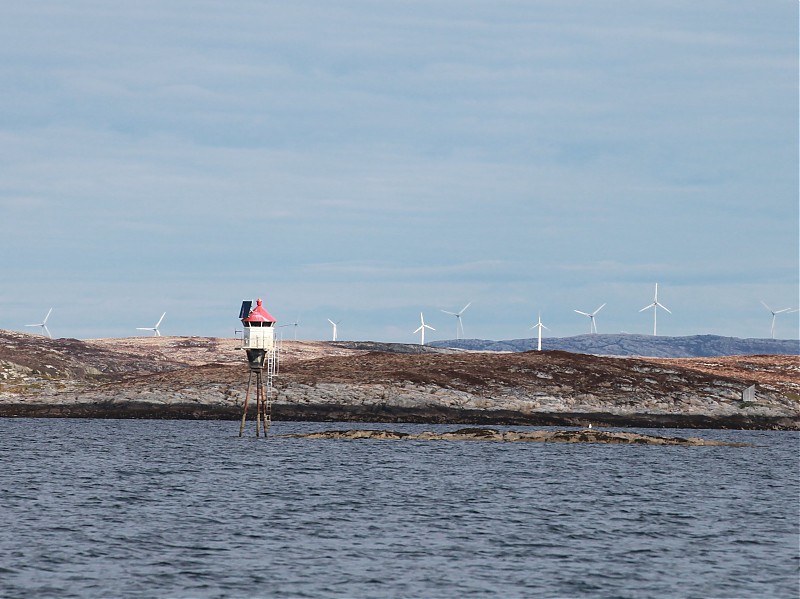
[[367, 161]]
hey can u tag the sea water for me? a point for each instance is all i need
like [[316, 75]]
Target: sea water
[[124, 508]]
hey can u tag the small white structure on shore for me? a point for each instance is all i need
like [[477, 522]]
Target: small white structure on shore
[[258, 341], [749, 394]]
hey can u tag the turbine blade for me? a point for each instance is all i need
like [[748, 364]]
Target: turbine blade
[[465, 307], [647, 307], [663, 306], [418, 329], [160, 319], [427, 326], [48, 331], [600, 308], [448, 312], [584, 313], [782, 311], [766, 306], [46, 317]]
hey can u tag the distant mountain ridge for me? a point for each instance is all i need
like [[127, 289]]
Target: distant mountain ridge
[[694, 346]]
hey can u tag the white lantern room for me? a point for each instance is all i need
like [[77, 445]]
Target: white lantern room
[[259, 329]]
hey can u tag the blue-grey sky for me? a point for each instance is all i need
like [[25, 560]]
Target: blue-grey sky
[[364, 161]]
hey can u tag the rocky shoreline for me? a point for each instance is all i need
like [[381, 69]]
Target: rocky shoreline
[[494, 435], [206, 378], [394, 414]]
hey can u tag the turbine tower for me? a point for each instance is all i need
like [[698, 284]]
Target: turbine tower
[[655, 306], [294, 325], [774, 314], [422, 327], [43, 324], [334, 328], [592, 325], [539, 326], [459, 324], [156, 332]]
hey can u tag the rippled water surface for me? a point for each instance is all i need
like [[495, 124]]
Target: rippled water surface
[[99, 508]]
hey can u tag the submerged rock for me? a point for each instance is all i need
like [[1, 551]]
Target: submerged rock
[[490, 434]]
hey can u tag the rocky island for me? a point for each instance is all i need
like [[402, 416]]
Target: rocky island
[[488, 434], [206, 378]]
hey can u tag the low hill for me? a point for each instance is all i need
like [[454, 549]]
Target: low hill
[[199, 377], [694, 346]]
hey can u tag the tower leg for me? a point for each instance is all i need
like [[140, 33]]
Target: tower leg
[[259, 406], [246, 398], [265, 410]]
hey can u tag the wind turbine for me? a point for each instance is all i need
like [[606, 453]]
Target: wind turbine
[[592, 325], [43, 324], [539, 326], [294, 324], [422, 328], [156, 332], [334, 328], [774, 314], [459, 324], [655, 306]]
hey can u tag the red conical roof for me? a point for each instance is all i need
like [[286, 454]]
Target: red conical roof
[[259, 314]]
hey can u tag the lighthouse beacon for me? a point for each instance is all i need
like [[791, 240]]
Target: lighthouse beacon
[[259, 330], [258, 341]]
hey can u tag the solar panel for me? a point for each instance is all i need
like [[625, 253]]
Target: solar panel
[[245, 311]]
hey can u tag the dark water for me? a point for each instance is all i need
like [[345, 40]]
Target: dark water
[[93, 508]]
